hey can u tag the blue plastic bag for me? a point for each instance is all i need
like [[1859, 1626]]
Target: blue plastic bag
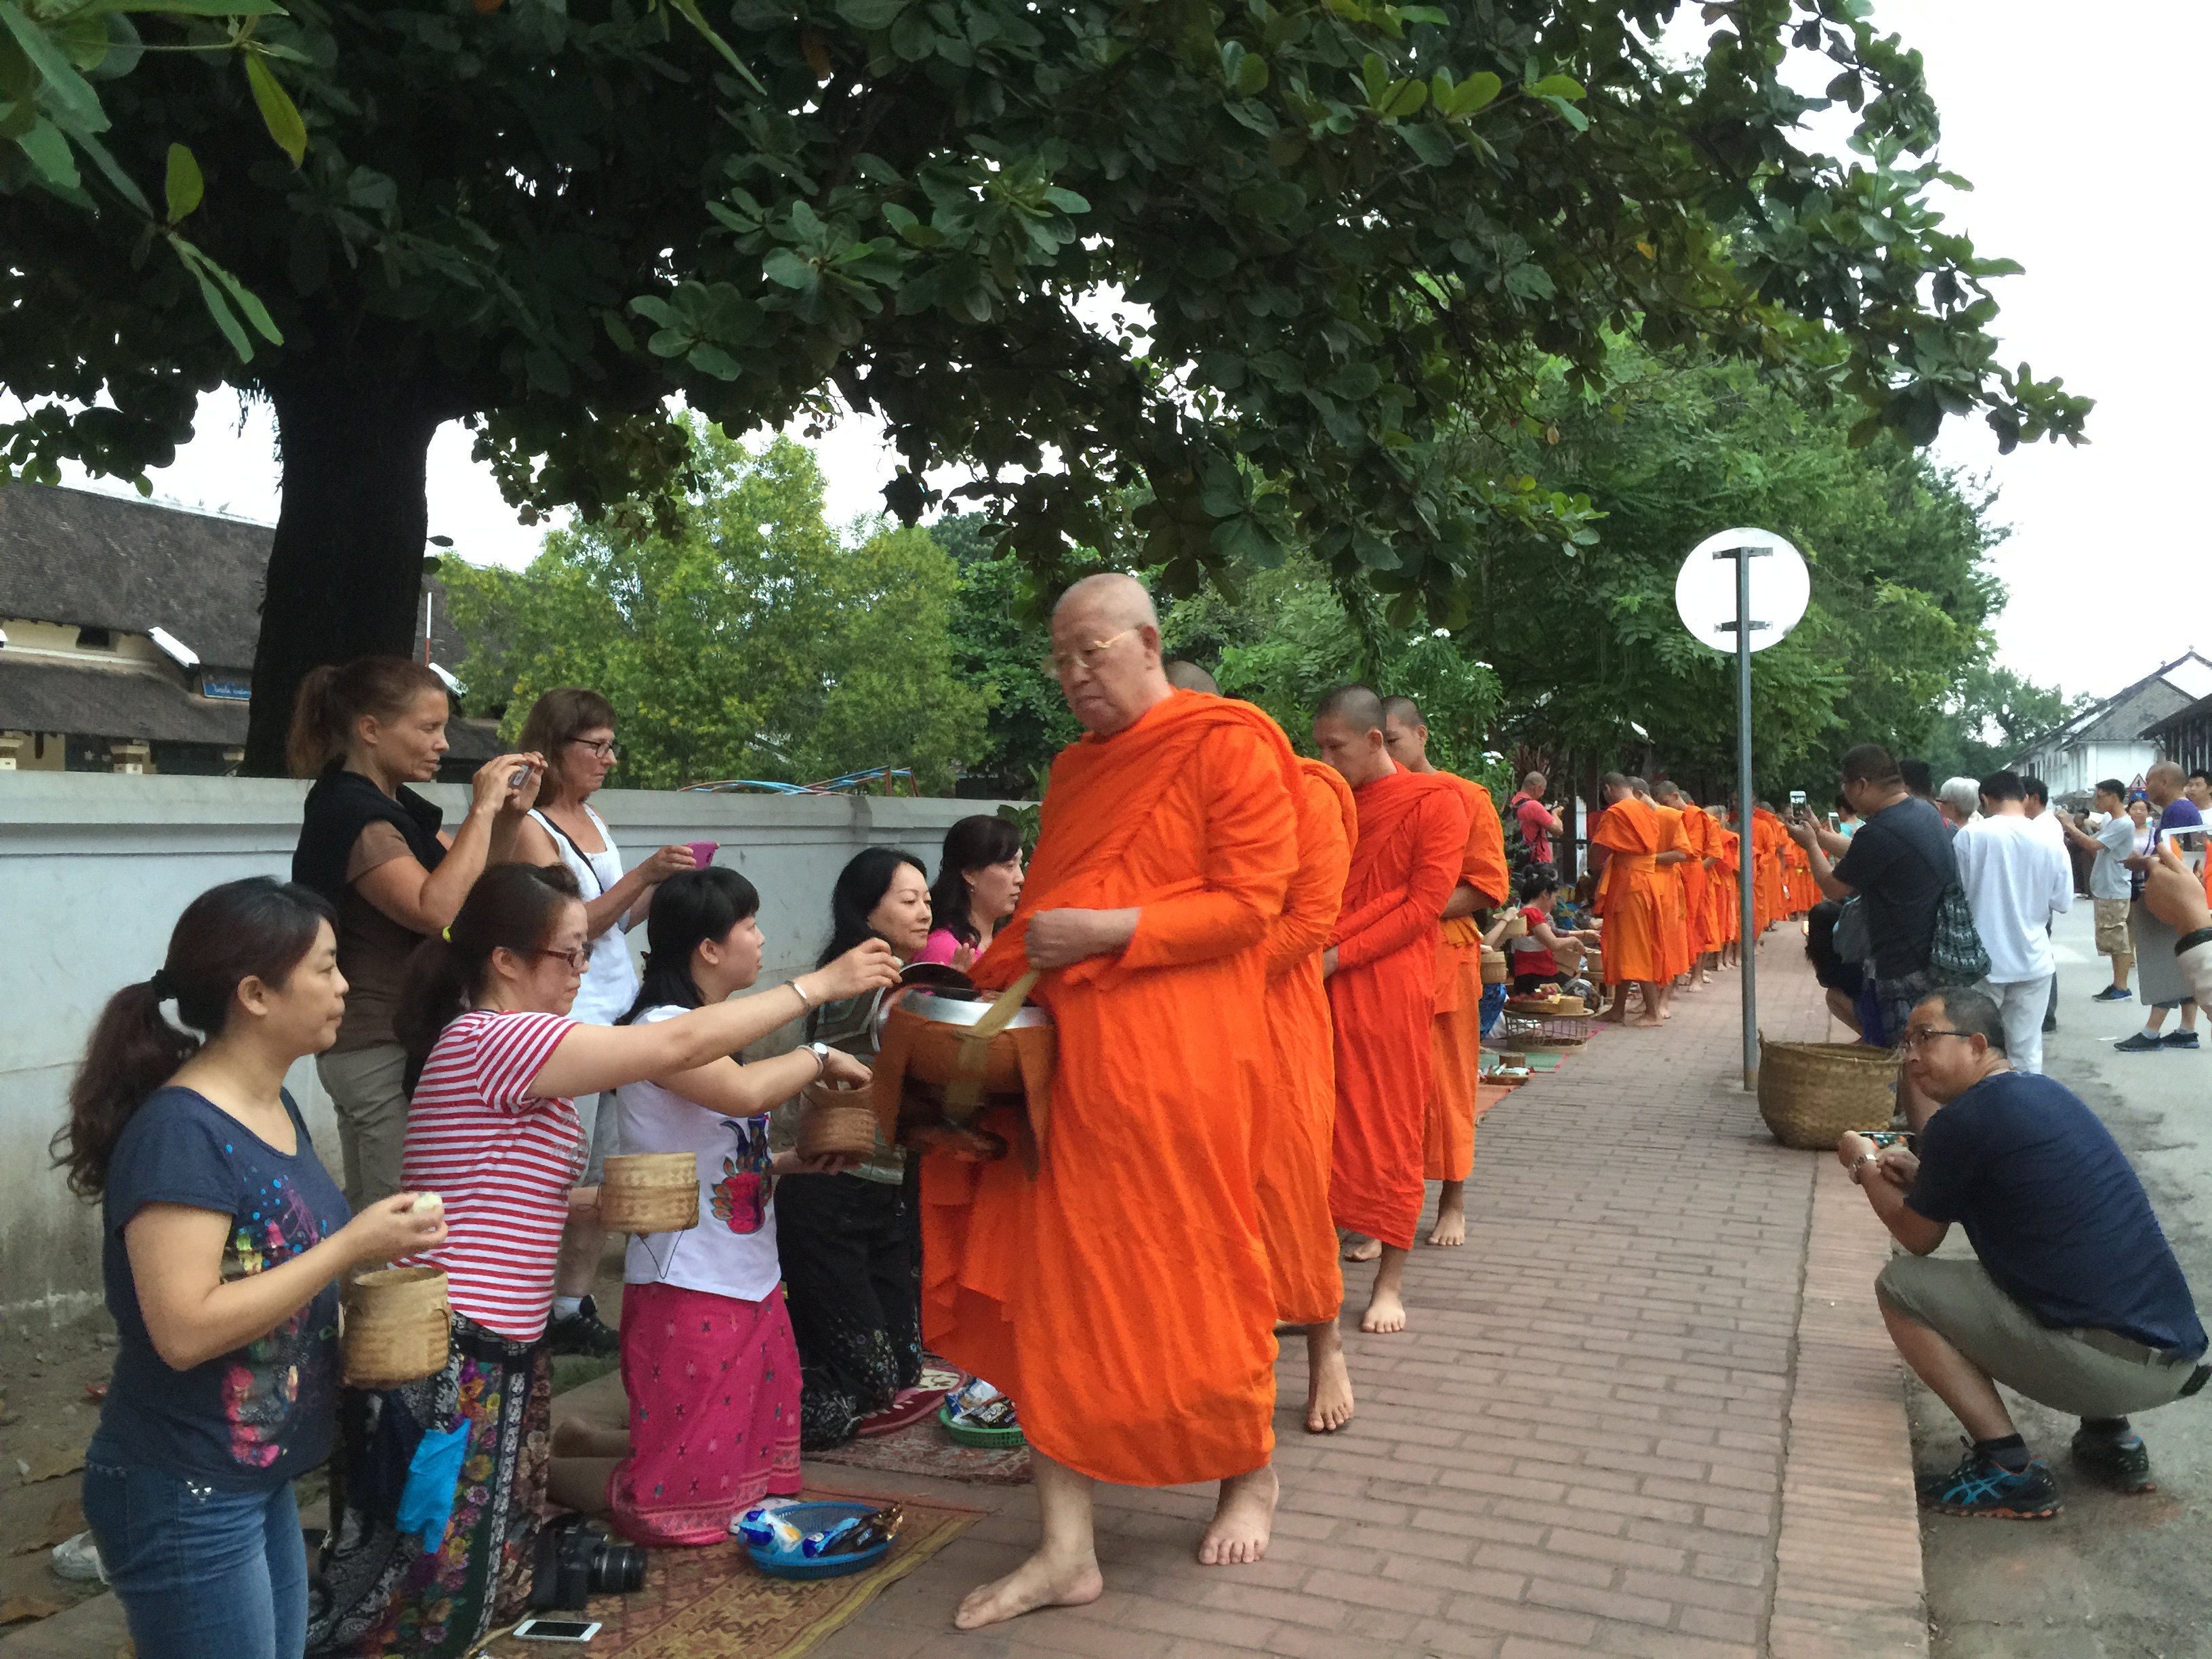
[[426, 1502]]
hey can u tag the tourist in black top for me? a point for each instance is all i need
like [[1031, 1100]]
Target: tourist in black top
[[2073, 1297]]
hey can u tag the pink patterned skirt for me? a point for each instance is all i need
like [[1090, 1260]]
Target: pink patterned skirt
[[714, 1412]]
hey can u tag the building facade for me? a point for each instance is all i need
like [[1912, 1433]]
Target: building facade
[[2118, 738]]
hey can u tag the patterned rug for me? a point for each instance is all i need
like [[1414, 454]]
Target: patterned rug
[[922, 1448], [712, 1603]]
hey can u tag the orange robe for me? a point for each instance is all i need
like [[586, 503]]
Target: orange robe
[[1629, 893], [1122, 1295], [1412, 840], [1727, 892], [1766, 838], [1696, 841], [1674, 896], [1296, 1129], [1455, 1033]]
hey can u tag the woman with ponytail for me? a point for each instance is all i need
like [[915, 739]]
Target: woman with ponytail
[[222, 1241], [375, 850], [708, 1363], [494, 1061]]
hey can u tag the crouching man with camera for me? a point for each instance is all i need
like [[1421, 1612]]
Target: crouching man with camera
[[2073, 1297]]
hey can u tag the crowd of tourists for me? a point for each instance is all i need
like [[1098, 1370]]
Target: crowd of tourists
[[1265, 975]]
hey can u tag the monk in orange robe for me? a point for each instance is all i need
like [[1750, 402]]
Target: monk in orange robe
[[1674, 896], [1625, 846], [1728, 898], [1766, 839], [1455, 1033], [1382, 969], [1291, 1159], [1121, 1295], [1697, 903]]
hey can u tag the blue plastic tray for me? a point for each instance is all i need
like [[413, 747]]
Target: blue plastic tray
[[818, 1517]]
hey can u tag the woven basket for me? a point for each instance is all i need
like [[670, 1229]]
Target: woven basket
[[396, 1328], [1493, 968], [1811, 1093], [837, 1122], [650, 1193]]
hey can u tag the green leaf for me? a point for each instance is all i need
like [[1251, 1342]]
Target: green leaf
[[278, 112], [1478, 91], [1066, 200], [247, 302], [786, 268], [68, 93], [211, 297], [82, 36], [870, 14], [1375, 78], [194, 8], [1429, 142], [184, 186], [124, 184], [689, 8], [712, 360], [1557, 86], [1407, 100], [1354, 382], [1251, 76], [49, 152]]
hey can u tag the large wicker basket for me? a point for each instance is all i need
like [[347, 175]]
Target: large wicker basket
[[650, 1193], [396, 1328], [1811, 1094], [837, 1122]]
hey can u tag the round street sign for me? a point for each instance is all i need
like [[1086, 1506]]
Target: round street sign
[[1705, 591]]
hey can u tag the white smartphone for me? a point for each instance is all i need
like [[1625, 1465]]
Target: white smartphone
[[557, 1630]]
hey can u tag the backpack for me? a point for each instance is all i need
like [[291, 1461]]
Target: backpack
[[1956, 955]]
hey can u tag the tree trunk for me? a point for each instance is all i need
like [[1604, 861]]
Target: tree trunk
[[345, 574]]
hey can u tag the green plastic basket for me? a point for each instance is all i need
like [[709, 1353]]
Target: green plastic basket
[[965, 1434]]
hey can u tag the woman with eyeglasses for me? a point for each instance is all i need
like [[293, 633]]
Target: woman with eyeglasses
[[495, 1063], [573, 728]]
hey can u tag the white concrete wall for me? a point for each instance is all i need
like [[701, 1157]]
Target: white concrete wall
[[94, 869]]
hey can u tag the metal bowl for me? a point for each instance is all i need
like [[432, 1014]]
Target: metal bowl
[[951, 1007]]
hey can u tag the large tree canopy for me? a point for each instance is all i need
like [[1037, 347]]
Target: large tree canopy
[[1349, 233]]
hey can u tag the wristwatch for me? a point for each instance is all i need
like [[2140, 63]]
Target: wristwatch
[[821, 1053], [1858, 1167]]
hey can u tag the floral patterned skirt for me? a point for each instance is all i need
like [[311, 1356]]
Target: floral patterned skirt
[[380, 1590]]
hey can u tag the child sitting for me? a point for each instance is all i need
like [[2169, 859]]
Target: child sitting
[[1539, 958]]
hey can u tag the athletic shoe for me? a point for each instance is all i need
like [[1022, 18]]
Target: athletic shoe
[[2123, 1464], [2050, 1023], [581, 1332], [2114, 994], [2178, 1039], [2142, 1042], [1982, 1487]]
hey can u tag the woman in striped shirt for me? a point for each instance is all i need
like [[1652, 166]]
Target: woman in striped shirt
[[492, 1130]]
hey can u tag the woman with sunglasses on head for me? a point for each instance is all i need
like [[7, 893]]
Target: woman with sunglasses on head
[[979, 883], [222, 1243], [574, 729], [495, 1062], [380, 854]]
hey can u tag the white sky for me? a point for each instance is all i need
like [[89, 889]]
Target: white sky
[[2099, 203]]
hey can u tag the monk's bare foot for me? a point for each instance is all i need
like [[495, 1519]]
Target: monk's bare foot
[[1243, 1520], [1644, 1023], [1450, 1228], [1385, 1315], [1039, 1582], [1328, 1393], [1358, 1248]]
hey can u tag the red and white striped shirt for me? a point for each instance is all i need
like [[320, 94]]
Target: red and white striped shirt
[[502, 1159]]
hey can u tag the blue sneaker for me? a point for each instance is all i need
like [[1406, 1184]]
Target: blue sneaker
[[1983, 1488], [2178, 1040], [2114, 994]]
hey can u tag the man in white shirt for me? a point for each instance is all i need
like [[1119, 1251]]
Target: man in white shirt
[[2016, 877], [2111, 835], [2040, 815]]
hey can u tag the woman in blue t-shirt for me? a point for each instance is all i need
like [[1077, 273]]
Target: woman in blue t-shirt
[[222, 1244]]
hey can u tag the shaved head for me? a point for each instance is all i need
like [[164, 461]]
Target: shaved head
[[1106, 651], [1112, 598], [1638, 785], [1186, 675], [1534, 783], [1615, 787], [1403, 708], [1353, 705], [1668, 789], [1406, 734]]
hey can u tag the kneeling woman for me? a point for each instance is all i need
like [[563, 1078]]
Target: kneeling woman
[[438, 1485], [708, 1358], [223, 1242]]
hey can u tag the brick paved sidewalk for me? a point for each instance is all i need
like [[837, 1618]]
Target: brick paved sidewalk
[[1648, 1410]]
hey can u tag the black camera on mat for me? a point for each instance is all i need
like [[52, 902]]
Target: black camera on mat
[[576, 1561]]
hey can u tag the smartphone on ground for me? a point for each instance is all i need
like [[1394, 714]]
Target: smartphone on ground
[[557, 1630]]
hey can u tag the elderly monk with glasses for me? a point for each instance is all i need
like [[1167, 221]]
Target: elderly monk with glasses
[[1121, 1295], [2072, 1295]]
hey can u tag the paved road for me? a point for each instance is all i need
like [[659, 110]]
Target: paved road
[[2111, 1576]]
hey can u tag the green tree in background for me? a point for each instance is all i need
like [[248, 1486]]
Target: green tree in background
[[1991, 715], [748, 642]]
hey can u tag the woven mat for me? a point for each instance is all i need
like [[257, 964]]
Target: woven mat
[[712, 1603], [922, 1448]]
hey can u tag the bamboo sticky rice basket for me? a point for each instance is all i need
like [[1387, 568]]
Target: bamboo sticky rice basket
[[1810, 1094], [650, 1193], [397, 1327], [837, 1122]]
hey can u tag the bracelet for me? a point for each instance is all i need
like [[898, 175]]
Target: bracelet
[[2190, 941], [805, 1000], [1858, 1167]]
